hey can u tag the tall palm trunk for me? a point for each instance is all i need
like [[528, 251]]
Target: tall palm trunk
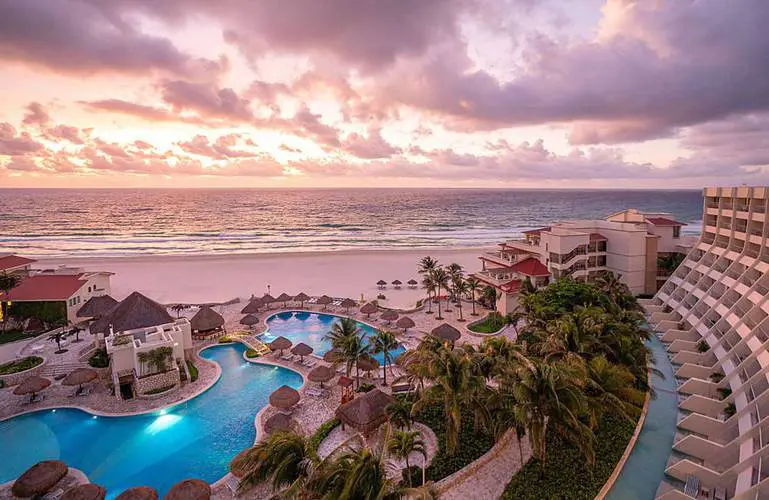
[[439, 303]]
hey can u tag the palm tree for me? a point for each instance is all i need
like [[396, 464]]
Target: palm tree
[[427, 265], [490, 297], [7, 283], [285, 459], [429, 286], [404, 443], [461, 288], [441, 280], [345, 338], [611, 389], [473, 285], [57, 337], [178, 308], [356, 475], [399, 413], [144, 359], [384, 342], [456, 273]]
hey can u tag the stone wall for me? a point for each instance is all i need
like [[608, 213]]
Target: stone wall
[[157, 381], [17, 378]]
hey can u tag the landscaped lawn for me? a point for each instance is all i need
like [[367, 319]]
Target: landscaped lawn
[[20, 365], [14, 335], [491, 324]]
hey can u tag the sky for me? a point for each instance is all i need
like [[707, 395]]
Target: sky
[[378, 93]]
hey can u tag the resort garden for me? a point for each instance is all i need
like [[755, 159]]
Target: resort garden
[[573, 384]]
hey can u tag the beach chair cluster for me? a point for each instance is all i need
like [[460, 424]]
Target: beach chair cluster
[[317, 392], [308, 361]]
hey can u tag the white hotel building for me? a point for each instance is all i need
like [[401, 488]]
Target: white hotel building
[[712, 315]]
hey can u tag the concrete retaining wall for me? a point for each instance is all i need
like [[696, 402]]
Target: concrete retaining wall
[[17, 378], [157, 381]]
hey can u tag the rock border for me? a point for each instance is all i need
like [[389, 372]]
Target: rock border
[[481, 320]]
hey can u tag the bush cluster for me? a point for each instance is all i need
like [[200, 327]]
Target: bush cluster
[[20, 365], [99, 359], [322, 433]]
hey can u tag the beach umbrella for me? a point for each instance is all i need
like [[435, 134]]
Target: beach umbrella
[[138, 493], [79, 377], [381, 283], [397, 283], [446, 332], [267, 299], [389, 316], [284, 397], [285, 298], [39, 479], [189, 489], [369, 308], [96, 307], [412, 282], [249, 320], [280, 344], [332, 356], [301, 349], [367, 364], [320, 374], [348, 303], [206, 320], [405, 322], [253, 306], [88, 491], [32, 386], [302, 298], [279, 422], [325, 300]]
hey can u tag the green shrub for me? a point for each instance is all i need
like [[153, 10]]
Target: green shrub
[[160, 390], [567, 475], [250, 354], [99, 359], [730, 410], [19, 365], [702, 346], [193, 370], [415, 472], [725, 392], [14, 335], [225, 340], [322, 433], [365, 387], [491, 324]]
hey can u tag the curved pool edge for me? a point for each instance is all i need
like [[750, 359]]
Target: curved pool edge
[[327, 313]]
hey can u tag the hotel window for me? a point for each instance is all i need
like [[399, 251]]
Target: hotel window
[[676, 231]]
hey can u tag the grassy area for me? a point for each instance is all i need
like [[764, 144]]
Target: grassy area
[[193, 370], [491, 324], [20, 365], [567, 475], [250, 354], [14, 335], [225, 340]]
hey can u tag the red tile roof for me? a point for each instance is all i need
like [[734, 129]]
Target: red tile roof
[[530, 267], [9, 262], [512, 286], [46, 287], [662, 221]]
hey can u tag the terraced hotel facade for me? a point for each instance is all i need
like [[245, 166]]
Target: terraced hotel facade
[[712, 316]]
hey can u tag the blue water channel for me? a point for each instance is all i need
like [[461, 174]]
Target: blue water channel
[[196, 439], [645, 467], [311, 328]]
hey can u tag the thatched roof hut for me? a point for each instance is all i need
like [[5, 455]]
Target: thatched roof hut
[[80, 376], [284, 397], [405, 322], [88, 491], [285, 298], [446, 332], [39, 479], [267, 299], [324, 300], [301, 297], [206, 320], [389, 315], [189, 489], [249, 320], [280, 344], [348, 303], [138, 493], [369, 308], [135, 311], [301, 349], [321, 374], [252, 307], [96, 307], [279, 422], [31, 385], [367, 412]]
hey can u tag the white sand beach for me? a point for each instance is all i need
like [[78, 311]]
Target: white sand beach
[[196, 279]]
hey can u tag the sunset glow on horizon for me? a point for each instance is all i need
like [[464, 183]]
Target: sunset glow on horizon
[[401, 93]]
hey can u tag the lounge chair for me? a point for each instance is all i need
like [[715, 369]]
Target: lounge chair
[[309, 363], [37, 398], [312, 391], [233, 484], [85, 391], [402, 388]]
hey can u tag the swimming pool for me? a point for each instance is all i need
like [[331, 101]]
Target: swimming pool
[[196, 439], [310, 328]]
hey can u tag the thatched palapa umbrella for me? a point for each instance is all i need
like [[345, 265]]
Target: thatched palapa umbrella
[[79, 377], [96, 307], [389, 316], [405, 322], [412, 283], [301, 349], [284, 397], [39, 479], [320, 374], [88, 491], [31, 386], [301, 298], [279, 422], [446, 332], [325, 300], [397, 283], [189, 489], [367, 364], [138, 493], [280, 344], [249, 320], [348, 303], [381, 284], [267, 299], [332, 356], [285, 298], [206, 320], [252, 307], [366, 413], [369, 308]]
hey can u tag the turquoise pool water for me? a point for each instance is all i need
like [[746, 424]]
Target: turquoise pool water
[[645, 467], [196, 439], [310, 328]]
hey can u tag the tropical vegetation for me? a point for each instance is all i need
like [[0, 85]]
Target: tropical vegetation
[[99, 359], [20, 365], [492, 323]]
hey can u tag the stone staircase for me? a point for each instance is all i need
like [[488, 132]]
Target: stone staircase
[[52, 370]]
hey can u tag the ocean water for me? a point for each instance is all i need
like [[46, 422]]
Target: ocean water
[[115, 222]]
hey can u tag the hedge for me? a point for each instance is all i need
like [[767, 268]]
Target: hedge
[[567, 475], [193, 370], [20, 365], [322, 433], [491, 324]]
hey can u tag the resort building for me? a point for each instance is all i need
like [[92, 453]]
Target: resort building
[[15, 264], [712, 317], [146, 346], [629, 244], [64, 289]]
